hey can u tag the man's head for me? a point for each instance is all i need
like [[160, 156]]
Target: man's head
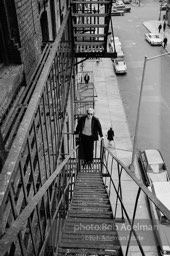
[[90, 112]]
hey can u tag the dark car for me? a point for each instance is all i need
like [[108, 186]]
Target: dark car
[[153, 166]]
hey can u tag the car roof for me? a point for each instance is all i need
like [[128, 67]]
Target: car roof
[[120, 59], [162, 192], [154, 156], [153, 34]]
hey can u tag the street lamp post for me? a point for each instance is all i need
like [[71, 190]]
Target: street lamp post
[[132, 167], [160, 11]]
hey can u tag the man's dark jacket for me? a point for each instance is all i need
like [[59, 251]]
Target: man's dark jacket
[[96, 127]]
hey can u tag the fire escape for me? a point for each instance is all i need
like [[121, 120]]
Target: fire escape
[[90, 22], [91, 25], [49, 204]]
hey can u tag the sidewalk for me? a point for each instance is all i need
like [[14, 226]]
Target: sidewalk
[[109, 108], [152, 26], [110, 111]]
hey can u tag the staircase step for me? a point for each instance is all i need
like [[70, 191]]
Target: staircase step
[[89, 221], [90, 215], [88, 199], [90, 226], [90, 193], [78, 230], [89, 204], [97, 209], [78, 235], [85, 252], [92, 245]]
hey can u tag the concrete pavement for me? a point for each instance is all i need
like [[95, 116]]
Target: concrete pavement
[[110, 111], [109, 108]]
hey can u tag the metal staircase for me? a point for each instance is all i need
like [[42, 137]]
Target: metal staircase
[[90, 27], [86, 229]]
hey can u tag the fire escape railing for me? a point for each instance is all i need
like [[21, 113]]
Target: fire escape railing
[[84, 94], [51, 203], [36, 152], [42, 218], [90, 25], [114, 173]]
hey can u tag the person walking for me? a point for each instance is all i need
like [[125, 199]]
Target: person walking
[[164, 26], [86, 78], [110, 135], [165, 42], [89, 129], [159, 27]]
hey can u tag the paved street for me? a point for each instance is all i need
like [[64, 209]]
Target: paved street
[[154, 124]]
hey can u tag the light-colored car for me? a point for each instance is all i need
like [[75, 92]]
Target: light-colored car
[[164, 6], [120, 53], [116, 12], [160, 223], [118, 49], [153, 39], [153, 166], [120, 4], [127, 1], [116, 40], [120, 66]]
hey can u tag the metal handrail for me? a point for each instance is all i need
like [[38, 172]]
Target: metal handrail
[[109, 161], [17, 226]]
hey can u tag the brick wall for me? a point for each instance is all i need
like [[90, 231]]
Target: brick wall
[[30, 34]]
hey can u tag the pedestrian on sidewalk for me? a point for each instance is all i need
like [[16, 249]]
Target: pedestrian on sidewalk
[[165, 42], [110, 135], [88, 128], [164, 26], [86, 78], [159, 27]]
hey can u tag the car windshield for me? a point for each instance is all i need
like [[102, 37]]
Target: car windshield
[[120, 63], [157, 177], [155, 36], [164, 220], [154, 168]]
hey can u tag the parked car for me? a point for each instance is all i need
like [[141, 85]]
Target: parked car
[[116, 40], [127, 1], [120, 53], [120, 66], [163, 6], [116, 12], [118, 49], [153, 166], [127, 9], [162, 225], [120, 3], [153, 39]]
